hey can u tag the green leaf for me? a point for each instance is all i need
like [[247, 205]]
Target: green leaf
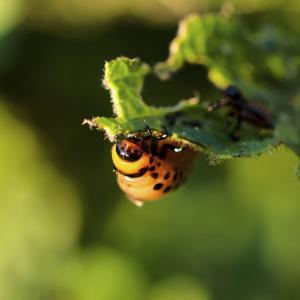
[[124, 78], [257, 61], [234, 53]]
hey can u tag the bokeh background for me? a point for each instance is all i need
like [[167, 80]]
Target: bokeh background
[[66, 230]]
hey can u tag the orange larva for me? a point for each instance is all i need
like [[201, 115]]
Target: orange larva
[[146, 169]]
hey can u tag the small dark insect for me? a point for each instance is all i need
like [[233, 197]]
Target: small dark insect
[[243, 110]]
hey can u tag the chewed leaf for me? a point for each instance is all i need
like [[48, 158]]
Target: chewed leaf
[[188, 121], [256, 61], [124, 78]]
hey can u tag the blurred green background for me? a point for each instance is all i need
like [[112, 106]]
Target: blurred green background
[[66, 230]]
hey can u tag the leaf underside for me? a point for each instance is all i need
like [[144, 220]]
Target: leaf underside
[[261, 62]]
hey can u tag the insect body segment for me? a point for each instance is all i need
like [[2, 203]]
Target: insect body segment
[[147, 169]]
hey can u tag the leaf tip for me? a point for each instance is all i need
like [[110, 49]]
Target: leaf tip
[[90, 122]]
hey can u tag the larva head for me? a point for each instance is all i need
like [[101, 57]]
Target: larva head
[[129, 157]]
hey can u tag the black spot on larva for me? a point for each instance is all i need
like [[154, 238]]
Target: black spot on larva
[[151, 159], [167, 189], [152, 168], [153, 148], [159, 164], [167, 175], [154, 175], [140, 173], [175, 176], [158, 186]]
